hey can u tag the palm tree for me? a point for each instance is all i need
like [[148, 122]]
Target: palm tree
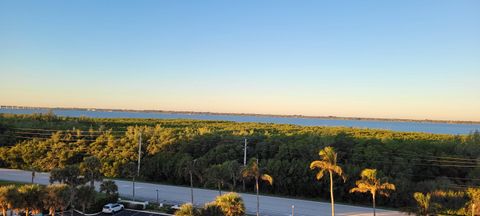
[[69, 175], [217, 174], [231, 204], [110, 188], [211, 209], [189, 169], [328, 163], [233, 169], [187, 210], [474, 195], [423, 202], [370, 183], [7, 197], [85, 196], [16, 202], [31, 196], [90, 168], [57, 196], [252, 170]]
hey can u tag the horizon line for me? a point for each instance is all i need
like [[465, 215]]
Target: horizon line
[[247, 114]]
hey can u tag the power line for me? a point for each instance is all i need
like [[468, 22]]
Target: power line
[[443, 160], [415, 164], [71, 131], [413, 154], [440, 157], [409, 156], [449, 177], [51, 138], [50, 134], [354, 160], [434, 160]]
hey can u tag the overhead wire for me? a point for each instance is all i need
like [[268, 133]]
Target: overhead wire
[[72, 130]]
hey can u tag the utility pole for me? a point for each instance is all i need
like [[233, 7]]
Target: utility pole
[[244, 161], [157, 197]]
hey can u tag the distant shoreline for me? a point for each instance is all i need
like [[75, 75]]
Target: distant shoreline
[[246, 114]]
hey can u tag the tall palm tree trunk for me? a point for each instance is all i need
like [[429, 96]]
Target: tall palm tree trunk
[[191, 187], [331, 193], [234, 183], [473, 209], [219, 189], [373, 199], [72, 196], [258, 200]]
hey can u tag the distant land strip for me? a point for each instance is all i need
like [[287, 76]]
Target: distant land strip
[[245, 114]]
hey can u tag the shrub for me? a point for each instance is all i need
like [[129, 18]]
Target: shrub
[[100, 202], [187, 210], [231, 204], [212, 209]]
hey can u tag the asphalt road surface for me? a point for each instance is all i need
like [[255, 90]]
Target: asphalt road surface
[[126, 212], [269, 205]]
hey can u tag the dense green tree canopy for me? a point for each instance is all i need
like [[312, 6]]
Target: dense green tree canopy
[[412, 161]]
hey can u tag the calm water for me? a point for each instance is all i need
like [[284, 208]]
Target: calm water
[[439, 128]]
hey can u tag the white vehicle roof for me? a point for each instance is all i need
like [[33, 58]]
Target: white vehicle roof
[[110, 204]]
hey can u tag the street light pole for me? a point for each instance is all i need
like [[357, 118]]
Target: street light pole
[[157, 196], [293, 210]]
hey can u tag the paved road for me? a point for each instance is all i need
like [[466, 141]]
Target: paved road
[[269, 205], [126, 212]]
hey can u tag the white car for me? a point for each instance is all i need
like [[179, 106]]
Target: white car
[[111, 208]]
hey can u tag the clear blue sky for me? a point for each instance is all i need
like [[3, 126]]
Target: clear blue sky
[[395, 59]]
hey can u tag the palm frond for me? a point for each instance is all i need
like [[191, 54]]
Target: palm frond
[[387, 186], [267, 178], [320, 174], [358, 189], [319, 165], [370, 182], [247, 173], [339, 171], [328, 154]]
